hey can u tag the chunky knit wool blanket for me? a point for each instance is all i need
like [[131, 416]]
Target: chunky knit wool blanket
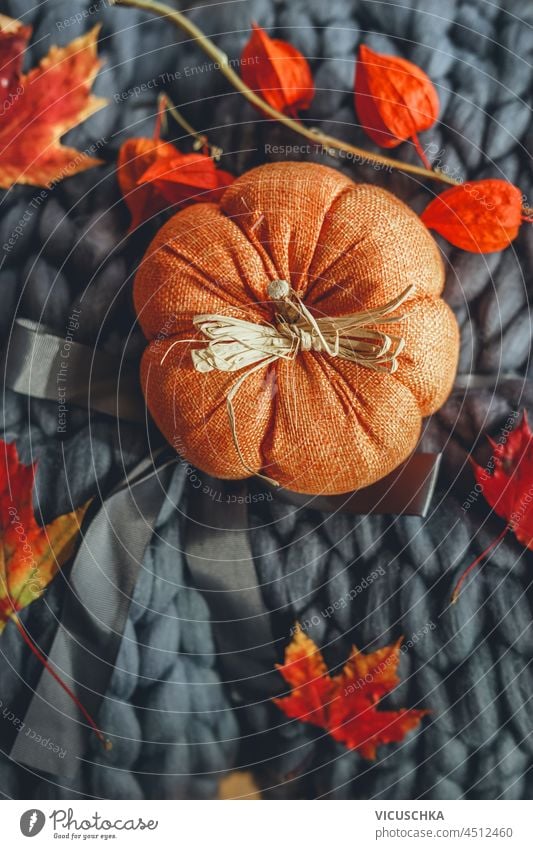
[[175, 729]]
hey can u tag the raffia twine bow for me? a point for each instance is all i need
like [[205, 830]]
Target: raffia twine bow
[[234, 344]]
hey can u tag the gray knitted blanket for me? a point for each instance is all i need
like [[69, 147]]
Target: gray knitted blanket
[[175, 729]]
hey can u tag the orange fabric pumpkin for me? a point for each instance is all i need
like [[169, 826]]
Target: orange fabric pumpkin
[[313, 422]]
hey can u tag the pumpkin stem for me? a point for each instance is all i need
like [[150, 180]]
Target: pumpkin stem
[[107, 744], [492, 545]]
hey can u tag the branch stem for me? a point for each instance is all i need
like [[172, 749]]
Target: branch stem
[[331, 144]]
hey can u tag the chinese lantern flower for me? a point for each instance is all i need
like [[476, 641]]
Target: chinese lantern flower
[[278, 72], [480, 216], [394, 99]]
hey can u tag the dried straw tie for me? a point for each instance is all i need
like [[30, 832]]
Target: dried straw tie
[[234, 344]]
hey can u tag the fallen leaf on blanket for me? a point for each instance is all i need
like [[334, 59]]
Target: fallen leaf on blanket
[[346, 705], [41, 106], [153, 175], [394, 99], [481, 216], [278, 72], [30, 554]]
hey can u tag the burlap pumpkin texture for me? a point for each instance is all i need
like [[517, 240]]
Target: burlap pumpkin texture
[[315, 423]]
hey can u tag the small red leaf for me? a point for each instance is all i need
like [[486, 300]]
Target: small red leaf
[[346, 705], [482, 216], [14, 39], [278, 72], [394, 99]]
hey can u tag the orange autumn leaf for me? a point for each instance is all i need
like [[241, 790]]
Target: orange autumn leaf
[[481, 216], [507, 486], [394, 99], [30, 555], [278, 72], [44, 104], [346, 705], [154, 175]]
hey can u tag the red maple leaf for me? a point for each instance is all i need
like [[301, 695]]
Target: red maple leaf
[[507, 484], [31, 555], [346, 705], [278, 72], [41, 106], [394, 99]]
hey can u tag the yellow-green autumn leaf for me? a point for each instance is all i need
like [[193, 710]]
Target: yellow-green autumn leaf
[[30, 555]]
